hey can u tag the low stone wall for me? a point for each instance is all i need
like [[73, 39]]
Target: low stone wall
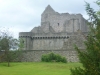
[[35, 55]]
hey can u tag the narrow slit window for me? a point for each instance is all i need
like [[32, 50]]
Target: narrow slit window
[[58, 24]]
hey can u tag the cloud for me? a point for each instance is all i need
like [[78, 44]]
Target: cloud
[[23, 15]]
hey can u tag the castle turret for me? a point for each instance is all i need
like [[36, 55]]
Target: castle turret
[[27, 41]]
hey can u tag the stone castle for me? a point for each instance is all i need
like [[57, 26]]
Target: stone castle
[[58, 32]]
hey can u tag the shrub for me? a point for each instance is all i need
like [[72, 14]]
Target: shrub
[[51, 57], [45, 58], [64, 60]]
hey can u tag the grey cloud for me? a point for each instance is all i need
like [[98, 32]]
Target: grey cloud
[[23, 15]]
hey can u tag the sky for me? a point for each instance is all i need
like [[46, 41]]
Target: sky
[[23, 15]]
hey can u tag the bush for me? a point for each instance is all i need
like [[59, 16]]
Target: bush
[[64, 60], [51, 57]]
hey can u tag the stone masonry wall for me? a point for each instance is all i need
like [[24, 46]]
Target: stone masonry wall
[[47, 44], [35, 55], [64, 21], [58, 33]]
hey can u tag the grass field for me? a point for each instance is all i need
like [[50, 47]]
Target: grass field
[[34, 68]]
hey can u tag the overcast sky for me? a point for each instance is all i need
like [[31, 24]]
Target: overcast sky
[[23, 15]]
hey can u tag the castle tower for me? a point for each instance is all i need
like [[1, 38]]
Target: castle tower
[[58, 33], [54, 31]]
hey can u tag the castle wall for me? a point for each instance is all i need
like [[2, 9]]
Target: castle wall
[[64, 22], [35, 55], [55, 20], [62, 46], [46, 27], [27, 43], [59, 32], [53, 41], [47, 44]]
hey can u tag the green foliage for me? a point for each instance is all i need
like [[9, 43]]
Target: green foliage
[[11, 56], [91, 57], [20, 44], [51, 57], [9, 46]]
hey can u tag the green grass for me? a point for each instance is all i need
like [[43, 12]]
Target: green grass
[[37, 68]]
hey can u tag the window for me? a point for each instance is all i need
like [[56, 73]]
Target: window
[[58, 24]]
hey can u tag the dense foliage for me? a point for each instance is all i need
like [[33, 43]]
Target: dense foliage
[[51, 57], [91, 57]]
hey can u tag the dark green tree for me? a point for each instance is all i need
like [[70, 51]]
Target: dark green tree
[[90, 58]]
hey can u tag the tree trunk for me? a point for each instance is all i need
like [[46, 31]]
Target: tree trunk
[[8, 63]]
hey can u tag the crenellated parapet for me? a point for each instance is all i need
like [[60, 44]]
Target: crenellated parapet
[[25, 34], [43, 35]]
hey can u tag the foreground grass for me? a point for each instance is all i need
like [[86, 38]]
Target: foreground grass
[[34, 68]]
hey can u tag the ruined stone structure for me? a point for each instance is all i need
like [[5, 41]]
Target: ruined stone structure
[[58, 32]]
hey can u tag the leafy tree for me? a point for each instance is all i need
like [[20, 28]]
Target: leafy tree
[[20, 48], [9, 46], [90, 58]]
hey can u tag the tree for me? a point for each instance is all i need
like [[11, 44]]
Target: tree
[[9, 46], [20, 48], [90, 58]]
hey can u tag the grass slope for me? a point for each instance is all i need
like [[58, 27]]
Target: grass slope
[[34, 68]]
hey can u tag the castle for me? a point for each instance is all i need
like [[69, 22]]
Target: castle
[[58, 32]]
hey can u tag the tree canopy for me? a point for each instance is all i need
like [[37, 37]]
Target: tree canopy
[[90, 58]]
